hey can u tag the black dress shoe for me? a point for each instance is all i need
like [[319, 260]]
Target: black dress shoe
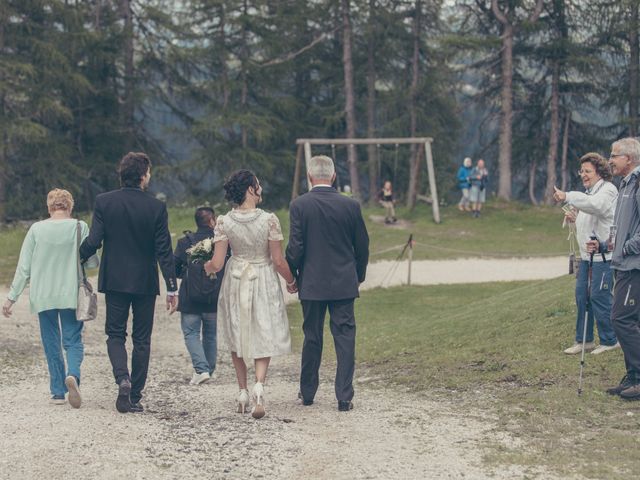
[[136, 407], [305, 402], [123, 402], [345, 406]]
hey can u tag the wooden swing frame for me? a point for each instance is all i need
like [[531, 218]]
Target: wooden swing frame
[[304, 145]]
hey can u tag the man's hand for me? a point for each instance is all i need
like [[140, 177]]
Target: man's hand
[[172, 303], [559, 195], [6, 308], [593, 246]]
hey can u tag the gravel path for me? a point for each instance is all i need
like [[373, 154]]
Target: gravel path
[[193, 432]]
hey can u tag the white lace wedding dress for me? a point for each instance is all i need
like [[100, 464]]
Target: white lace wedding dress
[[251, 310]]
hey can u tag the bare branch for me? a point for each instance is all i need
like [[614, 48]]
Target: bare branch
[[536, 13], [502, 18], [292, 55]]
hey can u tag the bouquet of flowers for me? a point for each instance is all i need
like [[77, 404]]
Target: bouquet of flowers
[[202, 252]]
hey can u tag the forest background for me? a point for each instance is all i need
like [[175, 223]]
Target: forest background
[[208, 86]]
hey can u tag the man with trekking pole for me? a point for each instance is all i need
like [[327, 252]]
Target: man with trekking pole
[[624, 242]]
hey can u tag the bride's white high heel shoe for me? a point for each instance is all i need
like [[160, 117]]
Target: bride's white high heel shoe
[[243, 401], [258, 410]]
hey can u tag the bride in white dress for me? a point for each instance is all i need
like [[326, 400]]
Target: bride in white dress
[[251, 309]]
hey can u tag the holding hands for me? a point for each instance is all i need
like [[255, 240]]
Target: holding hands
[[292, 287]]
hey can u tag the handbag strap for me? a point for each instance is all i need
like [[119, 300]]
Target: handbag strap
[[81, 273]]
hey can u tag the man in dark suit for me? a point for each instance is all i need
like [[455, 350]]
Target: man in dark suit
[[133, 226], [328, 252]]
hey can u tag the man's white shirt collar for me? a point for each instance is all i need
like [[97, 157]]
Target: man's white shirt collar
[[321, 185]]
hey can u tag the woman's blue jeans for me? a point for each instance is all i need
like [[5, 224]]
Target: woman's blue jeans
[[59, 329], [203, 350], [601, 296]]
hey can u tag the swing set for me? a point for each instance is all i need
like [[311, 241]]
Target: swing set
[[304, 145]]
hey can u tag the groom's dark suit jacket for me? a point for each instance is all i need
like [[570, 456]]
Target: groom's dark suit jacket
[[328, 246], [134, 228]]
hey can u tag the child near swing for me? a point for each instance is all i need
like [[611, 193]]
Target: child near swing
[[386, 200]]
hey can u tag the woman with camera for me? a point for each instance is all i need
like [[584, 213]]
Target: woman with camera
[[592, 212]]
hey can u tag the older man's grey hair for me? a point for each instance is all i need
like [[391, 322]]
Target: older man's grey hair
[[629, 146], [321, 168]]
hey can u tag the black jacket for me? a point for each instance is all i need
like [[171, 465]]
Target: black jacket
[[133, 226], [328, 248], [180, 258]]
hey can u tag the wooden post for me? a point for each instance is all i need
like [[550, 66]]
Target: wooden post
[[307, 157], [432, 182], [409, 259], [295, 189]]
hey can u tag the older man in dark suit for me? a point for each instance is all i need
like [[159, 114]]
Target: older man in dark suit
[[133, 226], [328, 251]]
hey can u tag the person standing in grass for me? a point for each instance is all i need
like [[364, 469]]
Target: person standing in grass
[[464, 172], [595, 208], [387, 201], [478, 192], [624, 243], [48, 263]]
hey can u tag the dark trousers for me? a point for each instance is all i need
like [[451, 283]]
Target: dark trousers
[[625, 317], [343, 329], [143, 306]]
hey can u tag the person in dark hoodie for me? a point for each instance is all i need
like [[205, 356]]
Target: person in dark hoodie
[[198, 299]]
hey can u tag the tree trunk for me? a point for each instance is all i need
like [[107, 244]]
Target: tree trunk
[[97, 15], [532, 182], [371, 105], [633, 70], [554, 134], [223, 60], [129, 80], [506, 121], [349, 94], [504, 157], [3, 135], [565, 151], [245, 88], [413, 113]]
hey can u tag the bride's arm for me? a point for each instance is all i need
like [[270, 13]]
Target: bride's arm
[[282, 267], [219, 254]]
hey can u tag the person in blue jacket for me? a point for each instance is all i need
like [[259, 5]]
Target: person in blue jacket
[[464, 172]]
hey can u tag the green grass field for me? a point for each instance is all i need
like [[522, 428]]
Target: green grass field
[[498, 347]]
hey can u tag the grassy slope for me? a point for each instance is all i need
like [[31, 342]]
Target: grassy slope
[[498, 346]]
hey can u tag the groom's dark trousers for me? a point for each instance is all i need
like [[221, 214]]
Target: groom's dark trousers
[[328, 251], [132, 228]]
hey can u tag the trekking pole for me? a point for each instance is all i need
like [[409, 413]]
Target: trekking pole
[[586, 318]]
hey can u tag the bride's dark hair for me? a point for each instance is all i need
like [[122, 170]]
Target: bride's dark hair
[[237, 184]]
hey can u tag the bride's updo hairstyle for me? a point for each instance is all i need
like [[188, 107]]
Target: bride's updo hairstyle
[[237, 185]]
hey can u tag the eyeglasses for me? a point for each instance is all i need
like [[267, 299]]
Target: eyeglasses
[[585, 172], [614, 155]]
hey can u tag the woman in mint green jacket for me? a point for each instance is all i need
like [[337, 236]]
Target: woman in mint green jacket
[[48, 264]]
